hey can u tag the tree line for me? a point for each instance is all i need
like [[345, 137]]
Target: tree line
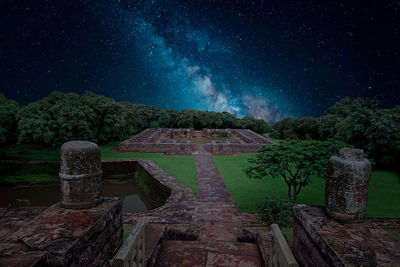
[[60, 117], [359, 122]]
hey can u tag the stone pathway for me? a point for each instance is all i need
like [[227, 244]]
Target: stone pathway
[[218, 218], [199, 231]]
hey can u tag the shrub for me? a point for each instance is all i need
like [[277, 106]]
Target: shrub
[[276, 210], [222, 134]]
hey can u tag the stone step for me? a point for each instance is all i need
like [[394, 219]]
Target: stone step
[[197, 253]]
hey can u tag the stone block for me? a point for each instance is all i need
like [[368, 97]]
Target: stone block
[[80, 175], [346, 188]]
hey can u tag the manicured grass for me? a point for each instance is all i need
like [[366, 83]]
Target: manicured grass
[[383, 198], [182, 167]]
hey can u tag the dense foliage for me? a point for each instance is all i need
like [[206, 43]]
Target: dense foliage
[[276, 210], [8, 122], [359, 122], [294, 161], [61, 117]]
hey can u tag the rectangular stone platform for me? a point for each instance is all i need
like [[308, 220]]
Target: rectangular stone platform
[[160, 140], [322, 241]]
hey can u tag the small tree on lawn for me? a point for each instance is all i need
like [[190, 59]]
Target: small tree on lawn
[[295, 161]]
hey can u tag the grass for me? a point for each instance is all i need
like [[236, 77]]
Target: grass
[[383, 197], [182, 167], [127, 231]]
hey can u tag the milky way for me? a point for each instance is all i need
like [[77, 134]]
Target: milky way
[[188, 67], [264, 59]]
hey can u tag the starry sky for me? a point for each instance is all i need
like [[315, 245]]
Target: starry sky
[[264, 59]]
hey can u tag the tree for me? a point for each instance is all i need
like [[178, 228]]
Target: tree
[[348, 105], [327, 126], [8, 122], [34, 125], [306, 128], [294, 161], [55, 119], [284, 129]]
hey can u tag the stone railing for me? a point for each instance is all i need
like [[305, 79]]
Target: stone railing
[[132, 251], [282, 255]]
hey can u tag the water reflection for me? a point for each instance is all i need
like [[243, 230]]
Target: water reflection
[[14, 196]]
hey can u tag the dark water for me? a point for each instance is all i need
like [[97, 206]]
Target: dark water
[[45, 195]]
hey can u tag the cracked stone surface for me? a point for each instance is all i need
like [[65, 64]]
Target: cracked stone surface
[[322, 241], [61, 237]]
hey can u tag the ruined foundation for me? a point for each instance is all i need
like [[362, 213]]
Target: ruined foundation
[[78, 231], [338, 234], [159, 140]]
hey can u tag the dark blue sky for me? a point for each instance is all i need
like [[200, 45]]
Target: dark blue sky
[[266, 59]]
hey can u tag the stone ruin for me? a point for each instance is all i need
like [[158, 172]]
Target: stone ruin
[[163, 141], [346, 190], [339, 234], [80, 175], [82, 230]]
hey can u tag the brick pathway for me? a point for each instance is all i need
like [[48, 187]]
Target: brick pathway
[[218, 218], [202, 230]]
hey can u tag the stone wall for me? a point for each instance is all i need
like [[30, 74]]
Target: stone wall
[[305, 250], [322, 241], [149, 141], [111, 167], [66, 237], [153, 190]]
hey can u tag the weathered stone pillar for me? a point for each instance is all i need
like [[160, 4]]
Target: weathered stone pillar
[[346, 188], [80, 175]]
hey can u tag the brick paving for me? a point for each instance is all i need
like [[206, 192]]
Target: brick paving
[[219, 219], [200, 230]]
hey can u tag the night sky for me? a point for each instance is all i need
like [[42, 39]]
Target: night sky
[[266, 59]]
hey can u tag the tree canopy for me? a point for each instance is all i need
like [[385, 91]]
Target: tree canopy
[[294, 161], [359, 122], [8, 121], [61, 117]]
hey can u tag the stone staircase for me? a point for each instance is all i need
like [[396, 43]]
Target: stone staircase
[[219, 222], [201, 253]]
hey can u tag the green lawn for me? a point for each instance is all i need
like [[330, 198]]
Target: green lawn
[[182, 167], [383, 198]]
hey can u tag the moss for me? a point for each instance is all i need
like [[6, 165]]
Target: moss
[[127, 230], [393, 231]]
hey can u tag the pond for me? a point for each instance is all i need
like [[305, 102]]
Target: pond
[[135, 189]]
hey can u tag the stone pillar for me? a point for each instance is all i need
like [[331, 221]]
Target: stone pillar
[[80, 175], [346, 188]]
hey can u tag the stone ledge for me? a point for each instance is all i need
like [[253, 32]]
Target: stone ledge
[[343, 244], [66, 237]]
